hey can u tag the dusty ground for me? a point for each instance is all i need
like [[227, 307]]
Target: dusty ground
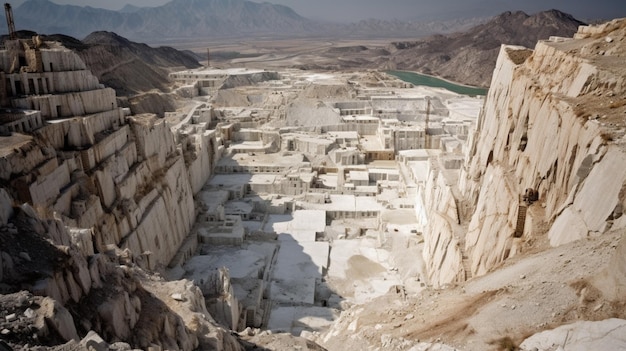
[[529, 293]]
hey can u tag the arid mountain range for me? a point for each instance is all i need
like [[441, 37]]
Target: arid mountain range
[[469, 57], [211, 19], [178, 18]]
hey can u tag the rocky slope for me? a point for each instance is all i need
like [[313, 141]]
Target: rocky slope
[[557, 131], [546, 159], [93, 203], [138, 73], [94, 182], [469, 57], [57, 291], [126, 66]]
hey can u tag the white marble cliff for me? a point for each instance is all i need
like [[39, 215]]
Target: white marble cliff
[[547, 155]]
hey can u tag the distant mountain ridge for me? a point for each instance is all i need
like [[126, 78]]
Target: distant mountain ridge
[[177, 18], [128, 8], [211, 19], [469, 57], [131, 67], [390, 28]]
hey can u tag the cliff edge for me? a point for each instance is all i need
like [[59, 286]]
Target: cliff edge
[[546, 164], [549, 147]]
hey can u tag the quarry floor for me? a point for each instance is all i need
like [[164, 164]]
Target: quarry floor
[[537, 290], [313, 279], [310, 281]]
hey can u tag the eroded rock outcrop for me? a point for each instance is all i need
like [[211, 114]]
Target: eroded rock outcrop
[[106, 293], [548, 149], [602, 335], [442, 251], [105, 197]]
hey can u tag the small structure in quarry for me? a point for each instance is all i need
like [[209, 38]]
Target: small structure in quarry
[[345, 208]]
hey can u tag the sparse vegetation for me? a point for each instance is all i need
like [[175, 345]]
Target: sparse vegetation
[[606, 136], [505, 344], [519, 56], [617, 104]]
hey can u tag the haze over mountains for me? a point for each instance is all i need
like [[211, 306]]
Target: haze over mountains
[[210, 19], [178, 18]]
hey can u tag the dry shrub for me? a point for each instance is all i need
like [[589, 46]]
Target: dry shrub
[[618, 103], [505, 344]]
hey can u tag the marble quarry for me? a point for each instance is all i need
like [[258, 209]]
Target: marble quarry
[[275, 200]]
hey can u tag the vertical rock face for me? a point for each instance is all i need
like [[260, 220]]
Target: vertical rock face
[[125, 179], [548, 148], [6, 208], [162, 197], [204, 153], [495, 214], [442, 252]]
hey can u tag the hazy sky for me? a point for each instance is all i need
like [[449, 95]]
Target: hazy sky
[[353, 10]]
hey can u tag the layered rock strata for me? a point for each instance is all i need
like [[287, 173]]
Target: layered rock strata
[[105, 195], [547, 155], [97, 169]]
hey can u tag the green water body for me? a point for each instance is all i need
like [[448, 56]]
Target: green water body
[[430, 81]]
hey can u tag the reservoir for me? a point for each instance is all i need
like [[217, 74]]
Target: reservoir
[[430, 81]]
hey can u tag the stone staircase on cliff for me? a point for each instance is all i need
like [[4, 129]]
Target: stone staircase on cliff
[[467, 267], [521, 221]]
